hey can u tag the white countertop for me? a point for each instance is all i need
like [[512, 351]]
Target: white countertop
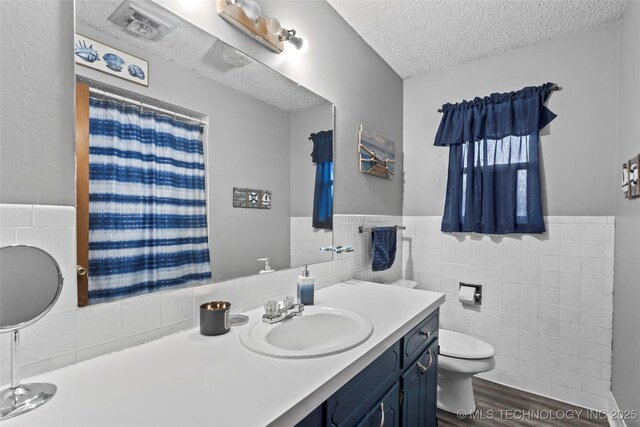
[[191, 380]]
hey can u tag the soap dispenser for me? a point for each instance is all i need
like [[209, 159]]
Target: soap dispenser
[[267, 267], [305, 287]]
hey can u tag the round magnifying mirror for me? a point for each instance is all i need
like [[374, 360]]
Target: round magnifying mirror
[[30, 284]]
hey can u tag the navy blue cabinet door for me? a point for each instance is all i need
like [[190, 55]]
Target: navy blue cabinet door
[[420, 388], [387, 412], [348, 406], [412, 398], [364, 422]]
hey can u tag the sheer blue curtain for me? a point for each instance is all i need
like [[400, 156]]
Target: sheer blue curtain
[[147, 206], [322, 156], [493, 183]]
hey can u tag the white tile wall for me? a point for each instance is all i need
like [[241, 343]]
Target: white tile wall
[[547, 303], [345, 229], [51, 343], [69, 334], [547, 299], [306, 242]]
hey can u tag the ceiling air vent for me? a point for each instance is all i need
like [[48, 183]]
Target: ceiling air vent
[[138, 22]]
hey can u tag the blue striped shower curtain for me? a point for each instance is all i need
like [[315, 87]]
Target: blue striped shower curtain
[[147, 206]]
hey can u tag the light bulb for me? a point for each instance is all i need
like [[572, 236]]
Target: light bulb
[[273, 26], [299, 43], [250, 8]]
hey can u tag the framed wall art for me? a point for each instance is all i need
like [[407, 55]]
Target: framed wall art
[[93, 54], [625, 180], [377, 154], [634, 173], [251, 198]]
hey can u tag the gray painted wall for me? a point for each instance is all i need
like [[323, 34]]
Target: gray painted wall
[[238, 154], [340, 67], [303, 171], [37, 136], [626, 299], [578, 155]]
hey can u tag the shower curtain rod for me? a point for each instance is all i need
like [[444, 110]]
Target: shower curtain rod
[[144, 105], [553, 88]]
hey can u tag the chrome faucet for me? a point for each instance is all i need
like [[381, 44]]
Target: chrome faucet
[[275, 311]]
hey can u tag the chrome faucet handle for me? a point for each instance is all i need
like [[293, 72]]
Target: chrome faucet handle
[[288, 302], [275, 311], [271, 308]]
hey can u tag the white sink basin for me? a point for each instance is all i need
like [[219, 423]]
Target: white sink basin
[[320, 331]]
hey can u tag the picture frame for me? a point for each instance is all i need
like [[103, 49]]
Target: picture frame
[[625, 180], [633, 166], [377, 154], [251, 198], [92, 54]]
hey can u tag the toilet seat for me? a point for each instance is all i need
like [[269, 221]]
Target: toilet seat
[[465, 366], [460, 346]]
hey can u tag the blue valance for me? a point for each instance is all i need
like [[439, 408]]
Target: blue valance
[[322, 146], [495, 116], [322, 156]]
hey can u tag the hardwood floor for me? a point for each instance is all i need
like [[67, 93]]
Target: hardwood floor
[[499, 405]]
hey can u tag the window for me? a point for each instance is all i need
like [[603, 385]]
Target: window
[[493, 184]]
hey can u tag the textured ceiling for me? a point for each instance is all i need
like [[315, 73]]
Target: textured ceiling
[[415, 37], [201, 52]]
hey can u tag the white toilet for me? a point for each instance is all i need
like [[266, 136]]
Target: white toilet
[[461, 357]]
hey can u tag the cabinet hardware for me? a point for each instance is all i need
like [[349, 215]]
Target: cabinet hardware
[[382, 410], [426, 334], [423, 368]]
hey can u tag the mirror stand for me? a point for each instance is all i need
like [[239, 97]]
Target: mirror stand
[[21, 398], [30, 284]]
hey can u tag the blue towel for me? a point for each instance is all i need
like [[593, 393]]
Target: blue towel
[[384, 248]]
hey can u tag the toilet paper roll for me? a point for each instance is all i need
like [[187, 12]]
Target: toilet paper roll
[[467, 294]]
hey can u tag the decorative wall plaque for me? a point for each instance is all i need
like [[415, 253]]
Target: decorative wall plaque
[[633, 166], [377, 154], [93, 54], [251, 198]]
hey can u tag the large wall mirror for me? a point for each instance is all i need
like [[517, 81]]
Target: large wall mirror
[[259, 134]]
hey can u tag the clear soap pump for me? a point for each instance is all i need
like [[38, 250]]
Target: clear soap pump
[[305, 287]]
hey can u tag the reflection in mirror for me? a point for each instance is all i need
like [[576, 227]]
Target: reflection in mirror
[[30, 284], [260, 132]]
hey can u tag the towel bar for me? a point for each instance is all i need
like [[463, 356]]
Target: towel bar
[[362, 228]]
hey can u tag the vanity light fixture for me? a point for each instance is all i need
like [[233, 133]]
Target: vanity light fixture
[[249, 7], [274, 27], [298, 42], [246, 16]]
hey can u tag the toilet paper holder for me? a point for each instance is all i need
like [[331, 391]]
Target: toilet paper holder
[[477, 293]]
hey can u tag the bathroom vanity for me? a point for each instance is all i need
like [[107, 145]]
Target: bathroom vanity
[[189, 379], [398, 389]]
